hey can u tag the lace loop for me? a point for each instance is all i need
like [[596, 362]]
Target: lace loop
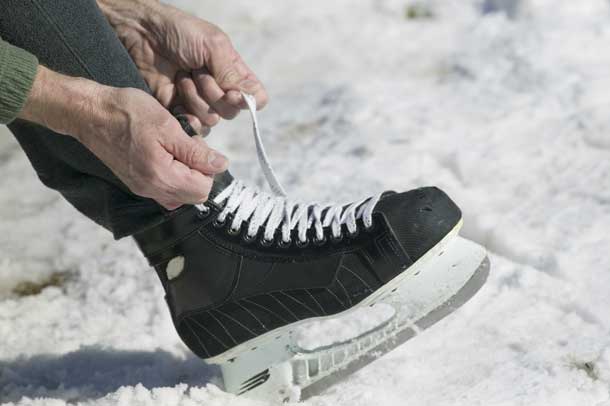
[[277, 212]]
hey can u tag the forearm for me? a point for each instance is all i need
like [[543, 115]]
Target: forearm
[[64, 104]]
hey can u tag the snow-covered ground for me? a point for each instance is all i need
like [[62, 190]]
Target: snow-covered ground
[[504, 104]]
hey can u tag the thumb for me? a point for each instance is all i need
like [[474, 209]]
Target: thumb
[[195, 153], [227, 68], [232, 75]]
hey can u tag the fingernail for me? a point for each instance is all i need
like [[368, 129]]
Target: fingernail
[[217, 160]]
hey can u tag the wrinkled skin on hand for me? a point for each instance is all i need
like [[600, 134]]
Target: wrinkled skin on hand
[[129, 131], [191, 66], [146, 148]]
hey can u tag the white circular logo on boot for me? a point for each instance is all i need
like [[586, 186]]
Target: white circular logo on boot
[[174, 267]]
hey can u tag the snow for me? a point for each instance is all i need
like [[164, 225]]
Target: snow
[[317, 334], [503, 104]]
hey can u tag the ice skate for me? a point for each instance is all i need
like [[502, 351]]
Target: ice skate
[[244, 270]]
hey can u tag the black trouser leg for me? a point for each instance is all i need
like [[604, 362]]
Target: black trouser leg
[[73, 37]]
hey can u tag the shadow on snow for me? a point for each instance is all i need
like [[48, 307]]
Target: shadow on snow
[[92, 372]]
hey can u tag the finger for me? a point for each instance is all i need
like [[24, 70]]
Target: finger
[[195, 123], [251, 85], [205, 131], [187, 186], [214, 95], [195, 105], [195, 154], [172, 183], [190, 124], [232, 75]]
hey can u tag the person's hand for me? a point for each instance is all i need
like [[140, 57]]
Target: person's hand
[[128, 130], [189, 64]]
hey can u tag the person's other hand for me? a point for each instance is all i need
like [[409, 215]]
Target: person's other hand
[[128, 130], [190, 64]]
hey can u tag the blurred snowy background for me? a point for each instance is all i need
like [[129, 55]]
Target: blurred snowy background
[[504, 104]]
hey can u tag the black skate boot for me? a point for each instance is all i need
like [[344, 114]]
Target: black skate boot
[[243, 269]]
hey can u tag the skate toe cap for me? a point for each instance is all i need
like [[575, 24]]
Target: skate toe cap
[[419, 218]]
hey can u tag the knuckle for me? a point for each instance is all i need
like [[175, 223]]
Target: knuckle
[[219, 39], [197, 154], [229, 76], [203, 80], [211, 120], [186, 86]]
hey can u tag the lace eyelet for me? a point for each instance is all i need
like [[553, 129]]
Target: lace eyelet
[[203, 214], [354, 234], [248, 239], [266, 243], [218, 224], [233, 232], [336, 240], [284, 244], [371, 228], [302, 244], [320, 242]]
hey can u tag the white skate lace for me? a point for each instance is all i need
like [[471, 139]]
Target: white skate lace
[[277, 211]]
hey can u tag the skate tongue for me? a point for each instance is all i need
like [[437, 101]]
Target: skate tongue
[[221, 181]]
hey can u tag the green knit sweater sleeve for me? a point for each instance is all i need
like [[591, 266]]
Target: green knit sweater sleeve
[[17, 72]]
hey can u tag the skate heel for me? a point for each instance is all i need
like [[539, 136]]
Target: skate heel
[[243, 375]]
